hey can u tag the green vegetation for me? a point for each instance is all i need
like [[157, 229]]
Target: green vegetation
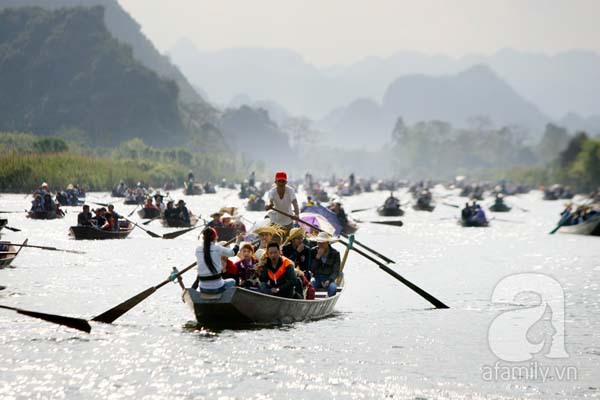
[[26, 160]]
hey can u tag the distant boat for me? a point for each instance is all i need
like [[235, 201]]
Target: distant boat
[[6, 258], [93, 233], [589, 227]]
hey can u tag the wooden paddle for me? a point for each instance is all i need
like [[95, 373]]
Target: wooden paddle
[[132, 211], [150, 220], [361, 209], [391, 223], [75, 323], [173, 235], [154, 235], [45, 248], [114, 313], [338, 281], [436, 303], [450, 205], [11, 228]]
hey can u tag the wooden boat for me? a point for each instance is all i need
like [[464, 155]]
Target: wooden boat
[[93, 233], [390, 211], [3, 223], [237, 305], [589, 227], [177, 223], [470, 223], [148, 213], [422, 206], [500, 208], [43, 215], [131, 201], [192, 189], [6, 258], [226, 233]]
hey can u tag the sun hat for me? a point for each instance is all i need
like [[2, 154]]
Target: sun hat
[[324, 237], [295, 233]]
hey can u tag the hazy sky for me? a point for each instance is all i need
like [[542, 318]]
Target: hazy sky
[[342, 31]]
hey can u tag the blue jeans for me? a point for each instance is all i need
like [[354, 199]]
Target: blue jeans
[[317, 283], [226, 285]]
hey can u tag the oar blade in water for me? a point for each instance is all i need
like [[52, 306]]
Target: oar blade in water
[[75, 323], [173, 235], [12, 229], [114, 313], [391, 223]]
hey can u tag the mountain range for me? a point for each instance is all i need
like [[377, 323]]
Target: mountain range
[[555, 85]]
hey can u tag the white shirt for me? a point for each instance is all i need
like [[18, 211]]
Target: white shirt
[[216, 252], [284, 204]]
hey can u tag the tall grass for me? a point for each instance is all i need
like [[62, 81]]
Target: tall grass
[[22, 172]]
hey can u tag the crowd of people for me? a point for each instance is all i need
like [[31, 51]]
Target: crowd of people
[[579, 215], [282, 262], [103, 219], [474, 214]]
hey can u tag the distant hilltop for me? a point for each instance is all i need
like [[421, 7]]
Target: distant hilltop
[[63, 70]]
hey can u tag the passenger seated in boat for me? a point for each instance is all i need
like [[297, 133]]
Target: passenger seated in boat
[[230, 270], [226, 221], [84, 218], [246, 266], [391, 202], [278, 277], [111, 209], [182, 212], [208, 257], [37, 205], [308, 291], [111, 223], [101, 222], [170, 211], [238, 224], [148, 204], [326, 265], [49, 205], [266, 235], [479, 215], [216, 220], [297, 249], [466, 212], [338, 210], [158, 203]]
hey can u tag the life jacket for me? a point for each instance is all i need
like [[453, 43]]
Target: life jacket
[[274, 276]]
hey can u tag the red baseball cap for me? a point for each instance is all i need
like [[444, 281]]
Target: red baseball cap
[[281, 176]]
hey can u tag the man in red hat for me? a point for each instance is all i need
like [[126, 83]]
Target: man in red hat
[[282, 197]]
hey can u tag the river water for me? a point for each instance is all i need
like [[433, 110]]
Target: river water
[[383, 342]]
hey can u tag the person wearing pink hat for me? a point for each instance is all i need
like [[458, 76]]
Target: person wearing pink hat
[[282, 197]]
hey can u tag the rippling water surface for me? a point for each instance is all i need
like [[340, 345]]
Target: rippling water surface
[[383, 342]]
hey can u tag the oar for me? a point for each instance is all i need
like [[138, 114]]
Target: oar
[[391, 223], [132, 211], [560, 223], [45, 248], [100, 204], [114, 313], [11, 212], [150, 220], [450, 205], [388, 260], [173, 235], [506, 220], [154, 235], [12, 229], [436, 303], [361, 209], [75, 323]]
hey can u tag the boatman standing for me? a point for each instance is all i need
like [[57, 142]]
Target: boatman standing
[[282, 197]]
